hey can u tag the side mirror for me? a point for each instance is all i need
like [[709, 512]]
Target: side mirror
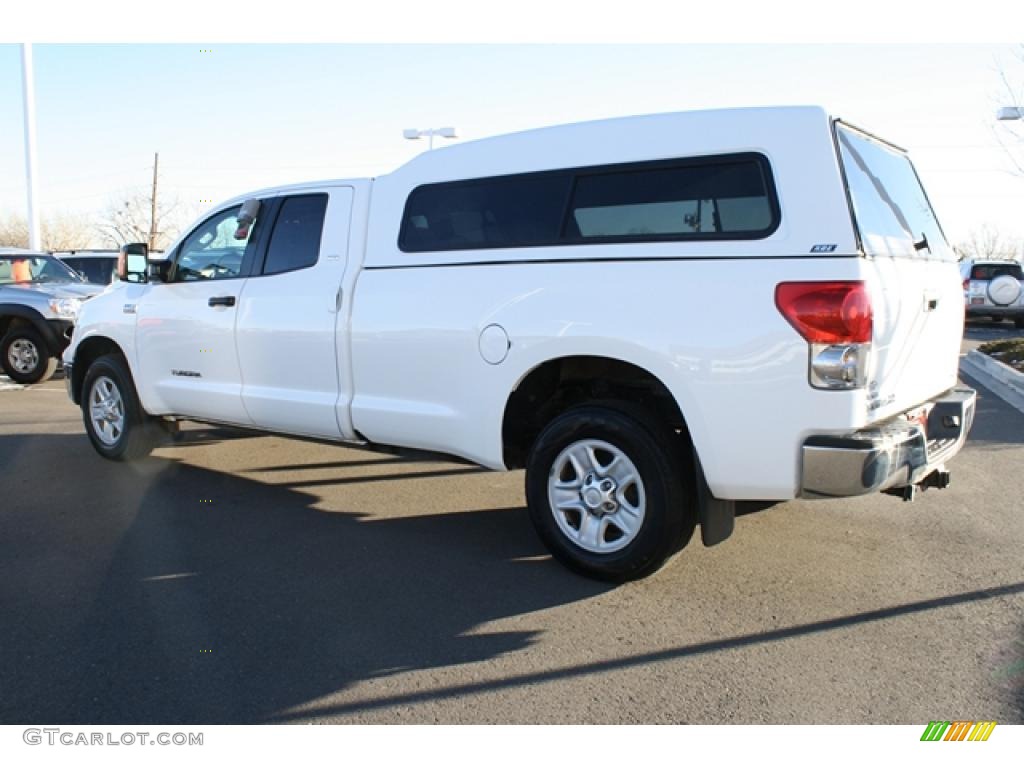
[[131, 262]]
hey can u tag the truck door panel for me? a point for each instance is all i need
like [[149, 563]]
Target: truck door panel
[[287, 316]]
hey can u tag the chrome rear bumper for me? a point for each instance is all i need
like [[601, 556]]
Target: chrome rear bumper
[[898, 453]]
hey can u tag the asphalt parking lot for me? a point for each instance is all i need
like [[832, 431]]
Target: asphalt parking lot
[[240, 578]]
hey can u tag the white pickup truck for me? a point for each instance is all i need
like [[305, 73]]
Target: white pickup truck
[[657, 317]]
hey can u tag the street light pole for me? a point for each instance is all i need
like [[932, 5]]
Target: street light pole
[[152, 205], [448, 132], [1011, 113], [29, 101]]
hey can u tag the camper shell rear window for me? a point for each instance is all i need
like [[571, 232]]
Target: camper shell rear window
[[891, 211]]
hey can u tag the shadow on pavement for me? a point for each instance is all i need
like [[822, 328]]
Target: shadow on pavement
[[163, 592], [696, 649], [132, 599]]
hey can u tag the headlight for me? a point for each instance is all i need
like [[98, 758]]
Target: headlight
[[67, 308]]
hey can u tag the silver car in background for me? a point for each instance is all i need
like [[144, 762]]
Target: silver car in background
[[39, 301]]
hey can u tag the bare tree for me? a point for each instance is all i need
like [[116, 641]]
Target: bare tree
[[14, 231], [127, 219], [987, 242], [59, 232], [1010, 133]]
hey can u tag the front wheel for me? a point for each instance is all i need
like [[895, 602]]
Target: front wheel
[[25, 357], [114, 420], [610, 492]]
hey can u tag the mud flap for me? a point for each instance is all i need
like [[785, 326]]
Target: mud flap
[[717, 517]]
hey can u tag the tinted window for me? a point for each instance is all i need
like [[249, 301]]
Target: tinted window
[[992, 271], [295, 243], [490, 213], [889, 204], [95, 270], [727, 197], [713, 198], [214, 250]]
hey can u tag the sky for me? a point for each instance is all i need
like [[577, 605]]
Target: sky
[[231, 118]]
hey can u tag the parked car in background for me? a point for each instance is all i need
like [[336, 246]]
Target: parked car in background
[[98, 267], [994, 288], [39, 300]]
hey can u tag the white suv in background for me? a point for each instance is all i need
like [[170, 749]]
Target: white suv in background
[[994, 289]]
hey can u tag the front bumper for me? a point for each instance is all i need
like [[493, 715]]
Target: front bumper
[[897, 453]]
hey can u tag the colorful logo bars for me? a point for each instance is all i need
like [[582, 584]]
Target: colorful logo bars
[[958, 730]]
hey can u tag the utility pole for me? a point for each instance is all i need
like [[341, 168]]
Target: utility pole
[[29, 101], [152, 205]]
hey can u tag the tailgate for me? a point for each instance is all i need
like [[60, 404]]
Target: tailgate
[[911, 274]]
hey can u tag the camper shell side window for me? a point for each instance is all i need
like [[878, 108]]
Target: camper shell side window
[[722, 197]]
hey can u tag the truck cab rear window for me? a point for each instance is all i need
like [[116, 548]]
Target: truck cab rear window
[[711, 198]]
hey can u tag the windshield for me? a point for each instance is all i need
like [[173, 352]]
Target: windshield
[[892, 211], [35, 268]]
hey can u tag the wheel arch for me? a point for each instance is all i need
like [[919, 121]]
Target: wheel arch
[[553, 385], [87, 351], [13, 314]]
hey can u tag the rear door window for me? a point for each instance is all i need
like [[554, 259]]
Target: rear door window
[[295, 242], [890, 206]]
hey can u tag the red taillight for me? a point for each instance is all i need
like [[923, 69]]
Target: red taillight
[[835, 312], [967, 282]]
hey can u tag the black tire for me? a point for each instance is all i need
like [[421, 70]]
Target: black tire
[[27, 337], [138, 434], [670, 512], [1018, 322]]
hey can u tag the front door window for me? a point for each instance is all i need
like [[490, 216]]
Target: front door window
[[215, 250]]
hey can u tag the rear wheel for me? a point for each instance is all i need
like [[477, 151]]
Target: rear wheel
[[610, 492], [25, 357], [114, 420]]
